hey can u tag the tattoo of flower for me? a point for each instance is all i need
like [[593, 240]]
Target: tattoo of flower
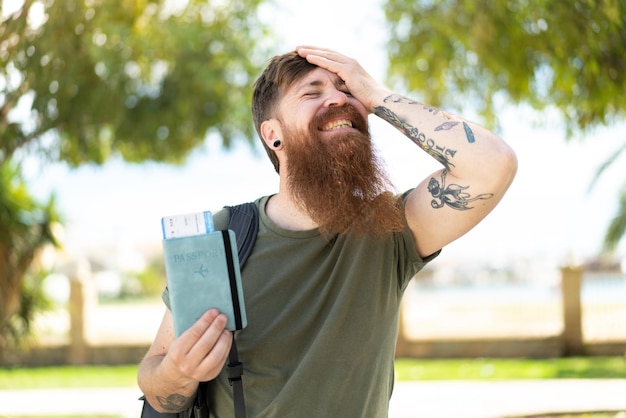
[[174, 402], [452, 195]]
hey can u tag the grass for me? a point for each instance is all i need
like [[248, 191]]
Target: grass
[[620, 414], [481, 369], [68, 377], [406, 369]]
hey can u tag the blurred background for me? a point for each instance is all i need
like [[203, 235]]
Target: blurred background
[[116, 113]]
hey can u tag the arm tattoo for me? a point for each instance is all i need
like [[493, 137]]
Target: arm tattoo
[[446, 126], [174, 402], [469, 133], [440, 153], [396, 98], [452, 195]]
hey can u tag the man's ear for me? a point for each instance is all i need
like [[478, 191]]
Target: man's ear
[[270, 129]]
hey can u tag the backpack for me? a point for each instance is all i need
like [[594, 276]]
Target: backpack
[[244, 222]]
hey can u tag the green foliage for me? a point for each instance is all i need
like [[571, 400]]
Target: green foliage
[[26, 226], [134, 78], [32, 300], [567, 54], [617, 227]]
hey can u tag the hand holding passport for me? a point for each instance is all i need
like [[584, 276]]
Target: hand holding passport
[[202, 268]]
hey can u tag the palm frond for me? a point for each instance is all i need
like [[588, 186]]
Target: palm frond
[[617, 227], [606, 164]]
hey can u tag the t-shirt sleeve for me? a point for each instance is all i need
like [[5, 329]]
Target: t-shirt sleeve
[[414, 263], [165, 296]]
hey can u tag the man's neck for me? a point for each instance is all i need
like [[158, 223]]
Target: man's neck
[[282, 210]]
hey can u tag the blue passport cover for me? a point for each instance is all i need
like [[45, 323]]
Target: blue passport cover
[[203, 273]]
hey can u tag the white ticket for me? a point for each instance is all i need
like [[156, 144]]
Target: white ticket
[[186, 225]]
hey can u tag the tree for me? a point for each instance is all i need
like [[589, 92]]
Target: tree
[[130, 77], [25, 227], [547, 53], [84, 80]]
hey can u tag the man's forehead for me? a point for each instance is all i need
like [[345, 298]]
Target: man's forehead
[[317, 78]]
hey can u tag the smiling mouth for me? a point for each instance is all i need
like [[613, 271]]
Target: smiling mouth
[[338, 124]]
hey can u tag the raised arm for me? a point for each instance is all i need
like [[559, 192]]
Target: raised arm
[[477, 166]]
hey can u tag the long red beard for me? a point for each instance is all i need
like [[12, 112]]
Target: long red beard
[[339, 181]]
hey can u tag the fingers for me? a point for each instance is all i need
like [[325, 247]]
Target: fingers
[[323, 57], [210, 322], [304, 50], [205, 332], [201, 351], [214, 361], [361, 84]]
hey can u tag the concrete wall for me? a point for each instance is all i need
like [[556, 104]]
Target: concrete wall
[[82, 302], [494, 348]]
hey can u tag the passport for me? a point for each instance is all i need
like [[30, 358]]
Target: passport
[[203, 273]]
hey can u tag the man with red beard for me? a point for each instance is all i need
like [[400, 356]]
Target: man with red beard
[[336, 246]]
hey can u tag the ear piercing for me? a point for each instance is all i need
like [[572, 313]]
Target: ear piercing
[[276, 143]]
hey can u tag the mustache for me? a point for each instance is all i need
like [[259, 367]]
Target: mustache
[[346, 111]]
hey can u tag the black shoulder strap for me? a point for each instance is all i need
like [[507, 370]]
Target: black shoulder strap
[[244, 222]]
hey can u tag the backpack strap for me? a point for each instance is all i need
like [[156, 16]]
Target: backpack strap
[[244, 222]]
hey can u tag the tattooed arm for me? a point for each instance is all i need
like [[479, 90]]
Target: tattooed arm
[[171, 370], [477, 166]]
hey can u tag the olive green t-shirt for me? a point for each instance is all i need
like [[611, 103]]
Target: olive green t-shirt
[[322, 323]]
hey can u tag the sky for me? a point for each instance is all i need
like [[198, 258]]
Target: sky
[[548, 216]]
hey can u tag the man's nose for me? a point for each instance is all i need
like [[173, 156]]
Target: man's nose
[[336, 98]]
